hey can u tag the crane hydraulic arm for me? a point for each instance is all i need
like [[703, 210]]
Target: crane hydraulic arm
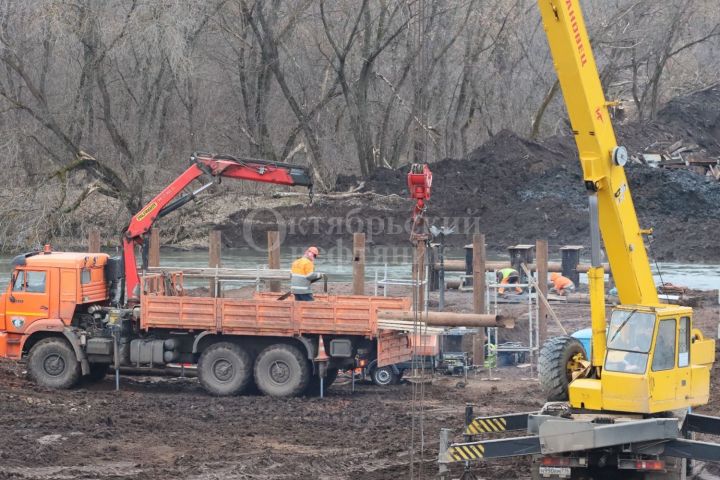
[[215, 167]]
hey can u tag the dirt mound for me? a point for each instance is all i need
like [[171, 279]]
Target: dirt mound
[[695, 117], [516, 190]]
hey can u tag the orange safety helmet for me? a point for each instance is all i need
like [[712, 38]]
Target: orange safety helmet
[[312, 251], [554, 275]]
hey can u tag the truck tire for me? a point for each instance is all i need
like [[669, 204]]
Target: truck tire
[[224, 369], [282, 371], [52, 363], [554, 366], [313, 387], [97, 372], [384, 376]]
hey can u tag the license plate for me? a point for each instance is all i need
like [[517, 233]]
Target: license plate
[[562, 472]]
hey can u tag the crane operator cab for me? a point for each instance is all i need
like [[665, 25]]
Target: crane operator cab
[[654, 362]]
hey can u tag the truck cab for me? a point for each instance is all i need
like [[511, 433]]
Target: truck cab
[[46, 292]]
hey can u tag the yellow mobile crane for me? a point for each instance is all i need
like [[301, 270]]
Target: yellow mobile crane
[[609, 412]]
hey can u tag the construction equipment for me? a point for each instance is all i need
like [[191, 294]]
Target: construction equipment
[[214, 167], [419, 180], [73, 315], [613, 411]]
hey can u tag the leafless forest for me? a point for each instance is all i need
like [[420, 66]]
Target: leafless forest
[[101, 102]]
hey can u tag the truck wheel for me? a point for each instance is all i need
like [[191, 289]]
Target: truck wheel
[[560, 358], [224, 369], [384, 376], [52, 363], [97, 372], [313, 387], [282, 371]]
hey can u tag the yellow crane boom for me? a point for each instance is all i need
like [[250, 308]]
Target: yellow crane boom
[[647, 358], [598, 149]]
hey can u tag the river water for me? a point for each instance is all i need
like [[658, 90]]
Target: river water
[[395, 261]]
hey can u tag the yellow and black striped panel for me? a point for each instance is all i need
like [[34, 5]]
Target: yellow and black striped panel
[[486, 425], [466, 451]]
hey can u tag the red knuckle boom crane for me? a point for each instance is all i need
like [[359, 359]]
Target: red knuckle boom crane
[[214, 167]]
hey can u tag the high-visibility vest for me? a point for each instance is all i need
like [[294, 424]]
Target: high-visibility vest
[[302, 271], [509, 272], [302, 266]]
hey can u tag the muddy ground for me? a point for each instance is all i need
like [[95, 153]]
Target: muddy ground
[[164, 427]]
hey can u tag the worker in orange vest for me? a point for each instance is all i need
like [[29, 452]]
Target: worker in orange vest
[[561, 285], [303, 275]]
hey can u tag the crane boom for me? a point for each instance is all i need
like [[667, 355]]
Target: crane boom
[[646, 360], [601, 159], [215, 167]]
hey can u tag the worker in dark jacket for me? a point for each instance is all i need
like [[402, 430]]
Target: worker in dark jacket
[[303, 274], [508, 276]]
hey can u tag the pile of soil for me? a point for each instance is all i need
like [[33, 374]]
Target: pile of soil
[[516, 190]]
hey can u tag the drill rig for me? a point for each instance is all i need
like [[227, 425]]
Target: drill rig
[[624, 411]]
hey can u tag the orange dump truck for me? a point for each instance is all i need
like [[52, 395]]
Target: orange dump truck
[[60, 313]]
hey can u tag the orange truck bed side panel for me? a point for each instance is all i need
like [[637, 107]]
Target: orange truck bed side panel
[[257, 317], [393, 347], [426, 345], [193, 313], [265, 315]]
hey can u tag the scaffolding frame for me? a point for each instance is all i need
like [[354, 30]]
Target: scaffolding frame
[[533, 309]]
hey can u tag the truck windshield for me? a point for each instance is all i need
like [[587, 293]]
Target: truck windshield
[[629, 339]]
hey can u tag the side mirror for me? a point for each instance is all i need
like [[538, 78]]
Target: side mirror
[[13, 279]]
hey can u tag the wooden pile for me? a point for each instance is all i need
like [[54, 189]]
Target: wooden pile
[[677, 155]]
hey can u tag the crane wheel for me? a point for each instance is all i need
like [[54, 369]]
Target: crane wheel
[[224, 369], [281, 370], [52, 363], [560, 361]]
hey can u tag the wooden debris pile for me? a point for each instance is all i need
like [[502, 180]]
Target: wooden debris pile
[[677, 155]]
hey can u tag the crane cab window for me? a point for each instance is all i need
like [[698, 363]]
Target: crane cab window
[[664, 356], [29, 281], [684, 342], [629, 339]]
